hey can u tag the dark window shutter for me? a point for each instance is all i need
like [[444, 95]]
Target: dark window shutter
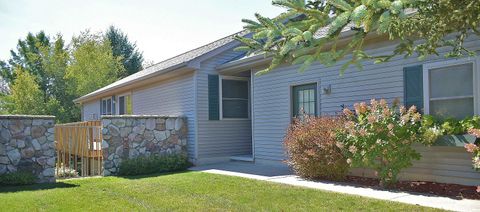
[[413, 86], [213, 98]]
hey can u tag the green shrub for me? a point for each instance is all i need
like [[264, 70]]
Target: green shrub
[[379, 137], [17, 178], [313, 151], [153, 164], [451, 126]]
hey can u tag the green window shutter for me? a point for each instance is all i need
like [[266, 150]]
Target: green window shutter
[[213, 98], [413, 86]]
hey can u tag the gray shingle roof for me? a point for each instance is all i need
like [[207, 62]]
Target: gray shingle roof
[[164, 65]]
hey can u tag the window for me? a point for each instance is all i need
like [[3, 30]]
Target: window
[[450, 89], [124, 104], [106, 107], [304, 100], [234, 93]]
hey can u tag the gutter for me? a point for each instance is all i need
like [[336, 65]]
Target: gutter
[[261, 58]]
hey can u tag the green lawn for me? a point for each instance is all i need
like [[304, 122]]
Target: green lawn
[[183, 191]]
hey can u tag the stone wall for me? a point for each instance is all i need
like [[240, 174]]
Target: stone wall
[[27, 144], [132, 136]]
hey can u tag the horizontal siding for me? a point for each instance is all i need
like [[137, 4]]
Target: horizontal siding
[[438, 164], [91, 111], [219, 138], [272, 103], [171, 97]]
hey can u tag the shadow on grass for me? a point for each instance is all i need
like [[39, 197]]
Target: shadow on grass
[[35, 187], [137, 177]]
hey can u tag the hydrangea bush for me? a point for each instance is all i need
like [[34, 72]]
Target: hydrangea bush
[[474, 149], [380, 137]]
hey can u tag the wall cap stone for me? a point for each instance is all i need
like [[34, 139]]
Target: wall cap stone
[[26, 117], [139, 116]]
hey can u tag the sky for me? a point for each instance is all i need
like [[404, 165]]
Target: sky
[[161, 29]]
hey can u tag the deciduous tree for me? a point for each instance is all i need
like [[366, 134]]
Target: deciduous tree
[[93, 64], [26, 96]]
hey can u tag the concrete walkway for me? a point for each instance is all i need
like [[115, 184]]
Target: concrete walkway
[[281, 174]]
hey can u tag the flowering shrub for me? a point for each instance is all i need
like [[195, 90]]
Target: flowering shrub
[[379, 137], [451, 126], [312, 149], [474, 149]]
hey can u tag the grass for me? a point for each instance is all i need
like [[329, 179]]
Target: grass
[[186, 191]]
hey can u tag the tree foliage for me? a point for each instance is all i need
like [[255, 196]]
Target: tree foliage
[[26, 96], [131, 57], [93, 64], [44, 76], [27, 56], [312, 31], [45, 59]]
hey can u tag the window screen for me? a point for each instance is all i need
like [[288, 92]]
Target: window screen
[[235, 98], [304, 100], [451, 91]]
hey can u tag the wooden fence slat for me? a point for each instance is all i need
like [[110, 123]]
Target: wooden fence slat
[[79, 141]]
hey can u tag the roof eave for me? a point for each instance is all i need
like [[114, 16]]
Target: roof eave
[[262, 58]]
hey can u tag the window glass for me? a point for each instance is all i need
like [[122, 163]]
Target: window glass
[[235, 98], [451, 91], [454, 108], [304, 99], [451, 81], [235, 89], [235, 108]]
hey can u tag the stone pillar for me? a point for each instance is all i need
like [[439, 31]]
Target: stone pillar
[[132, 136], [27, 144]]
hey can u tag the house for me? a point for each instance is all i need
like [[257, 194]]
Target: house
[[234, 114]]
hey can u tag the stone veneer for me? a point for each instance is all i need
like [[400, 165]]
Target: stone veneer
[[132, 136], [27, 144]]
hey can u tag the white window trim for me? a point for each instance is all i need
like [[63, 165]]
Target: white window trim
[[220, 84], [442, 64], [113, 102], [111, 106], [117, 105]]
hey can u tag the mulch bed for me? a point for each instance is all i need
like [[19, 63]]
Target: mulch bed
[[441, 189]]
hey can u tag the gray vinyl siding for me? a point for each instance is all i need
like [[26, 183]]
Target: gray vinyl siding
[[438, 164], [91, 110], [272, 101], [173, 97], [219, 138]]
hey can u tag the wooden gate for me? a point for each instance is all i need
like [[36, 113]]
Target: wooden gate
[[79, 149]]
